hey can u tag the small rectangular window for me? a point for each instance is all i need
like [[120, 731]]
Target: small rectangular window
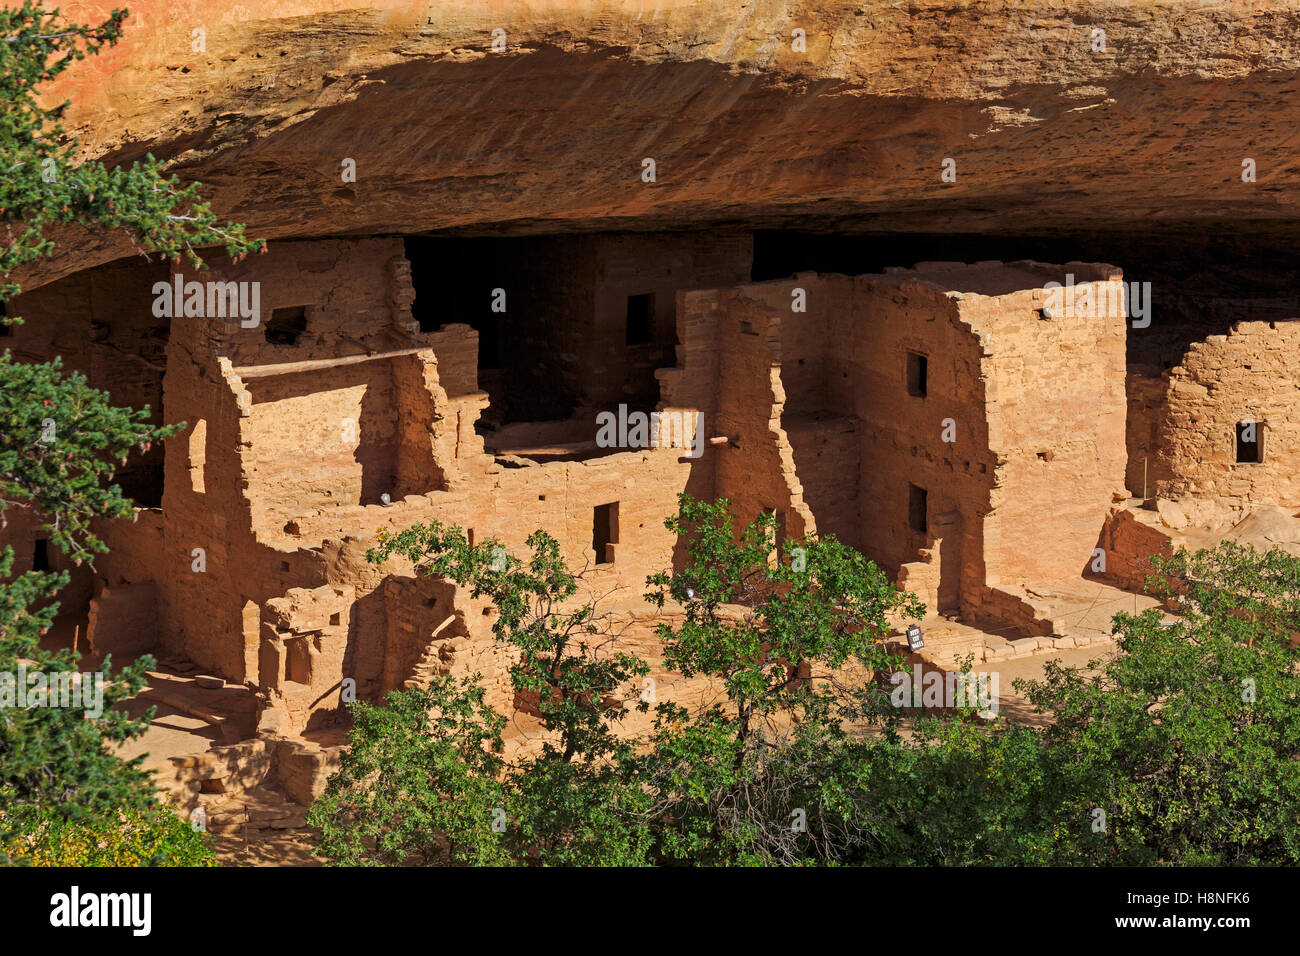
[[640, 319], [41, 555], [604, 532], [5, 327], [917, 374], [297, 661], [286, 325], [917, 509], [1250, 443]]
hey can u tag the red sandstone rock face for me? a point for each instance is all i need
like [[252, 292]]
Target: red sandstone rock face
[[1046, 131]]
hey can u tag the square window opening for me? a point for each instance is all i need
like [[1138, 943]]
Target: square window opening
[[286, 325]]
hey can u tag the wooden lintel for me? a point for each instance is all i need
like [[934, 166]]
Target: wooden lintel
[[312, 365]]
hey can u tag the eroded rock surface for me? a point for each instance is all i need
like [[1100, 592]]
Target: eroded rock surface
[[1047, 132]]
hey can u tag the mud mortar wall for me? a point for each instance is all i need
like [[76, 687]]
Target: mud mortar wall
[[1249, 374], [1017, 433], [1057, 407]]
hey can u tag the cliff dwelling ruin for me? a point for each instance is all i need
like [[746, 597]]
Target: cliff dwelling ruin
[[837, 336]]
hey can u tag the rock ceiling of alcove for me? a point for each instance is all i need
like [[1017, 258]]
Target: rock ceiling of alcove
[[1048, 136]]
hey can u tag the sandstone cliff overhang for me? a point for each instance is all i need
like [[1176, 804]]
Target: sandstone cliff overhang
[[1049, 127]]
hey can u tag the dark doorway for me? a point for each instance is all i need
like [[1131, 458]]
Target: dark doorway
[[41, 555], [517, 294], [456, 281], [917, 509], [918, 372], [640, 319]]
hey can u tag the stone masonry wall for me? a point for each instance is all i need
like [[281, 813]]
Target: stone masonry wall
[[1056, 422], [296, 454], [1248, 374], [1015, 408]]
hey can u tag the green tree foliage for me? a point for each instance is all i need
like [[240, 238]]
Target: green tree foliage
[[951, 793], [1179, 749], [1188, 739], [62, 441], [751, 619], [41, 182], [796, 643], [419, 782], [154, 836], [568, 663], [61, 445], [54, 757]]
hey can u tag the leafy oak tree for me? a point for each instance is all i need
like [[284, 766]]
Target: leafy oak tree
[[1178, 749], [62, 441]]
